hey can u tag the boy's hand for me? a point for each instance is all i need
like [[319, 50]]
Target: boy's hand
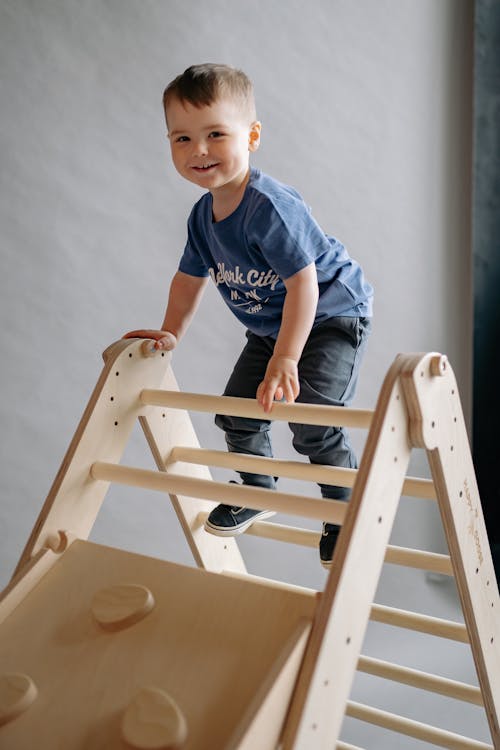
[[280, 381], [163, 340]]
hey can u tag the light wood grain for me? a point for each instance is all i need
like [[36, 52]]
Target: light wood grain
[[436, 422], [262, 722], [104, 429], [424, 391], [26, 580], [339, 627]]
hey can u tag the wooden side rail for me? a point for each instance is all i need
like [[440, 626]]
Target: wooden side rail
[[247, 407], [338, 475]]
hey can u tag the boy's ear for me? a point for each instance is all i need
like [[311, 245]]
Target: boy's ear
[[254, 136]]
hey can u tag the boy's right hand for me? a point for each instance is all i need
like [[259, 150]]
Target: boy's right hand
[[281, 380], [163, 340]]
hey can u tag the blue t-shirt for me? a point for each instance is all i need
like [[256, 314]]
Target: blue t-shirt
[[269, 237]]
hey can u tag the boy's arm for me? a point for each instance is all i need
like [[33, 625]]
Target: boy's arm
[[184, 297], [281, 378]]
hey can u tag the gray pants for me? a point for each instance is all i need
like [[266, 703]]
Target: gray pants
[[328, 372]]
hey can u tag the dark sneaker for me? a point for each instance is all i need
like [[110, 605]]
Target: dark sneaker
[[327, 543], [228, 520]]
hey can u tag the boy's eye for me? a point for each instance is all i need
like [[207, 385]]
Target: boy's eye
[[216, 134], [182, 139]]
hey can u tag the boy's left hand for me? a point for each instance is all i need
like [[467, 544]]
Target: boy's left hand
[[280, 381]]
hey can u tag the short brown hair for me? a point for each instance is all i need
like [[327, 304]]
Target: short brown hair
[[202, 85]]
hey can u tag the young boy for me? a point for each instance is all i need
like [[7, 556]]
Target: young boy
[[302, 299]]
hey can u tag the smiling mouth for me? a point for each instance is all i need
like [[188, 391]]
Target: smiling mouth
[[204, 167]]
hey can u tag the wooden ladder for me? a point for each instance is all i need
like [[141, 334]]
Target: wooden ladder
[[103, 646]]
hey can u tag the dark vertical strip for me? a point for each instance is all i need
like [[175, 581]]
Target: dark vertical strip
[[486, 259]]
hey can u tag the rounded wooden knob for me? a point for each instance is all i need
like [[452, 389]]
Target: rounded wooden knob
[[154, 721], [122, 605], [17, 693], [58, 541], [439, 364]]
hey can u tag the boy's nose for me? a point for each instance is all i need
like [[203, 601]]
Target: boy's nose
[[200, 148]]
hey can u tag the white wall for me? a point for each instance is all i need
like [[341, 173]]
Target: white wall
[[365, 109]]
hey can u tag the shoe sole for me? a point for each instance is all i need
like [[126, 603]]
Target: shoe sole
[[236, 530]]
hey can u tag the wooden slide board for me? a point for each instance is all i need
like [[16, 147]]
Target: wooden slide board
[[210, 641]]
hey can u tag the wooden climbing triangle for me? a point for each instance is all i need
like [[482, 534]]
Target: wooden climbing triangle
[[104, 648]]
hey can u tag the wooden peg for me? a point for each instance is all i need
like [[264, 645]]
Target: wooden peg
[[17, 693], [59, 541], [438, 365], [121, 605], [154, 721]]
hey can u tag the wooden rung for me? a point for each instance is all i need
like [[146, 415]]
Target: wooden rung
[[346, 746], [248, 407], [278, 532], [337, 475], [272, 583], [411, 558], [231, 494], [416, 729], [422, 680], [400, 618], [414, 558]]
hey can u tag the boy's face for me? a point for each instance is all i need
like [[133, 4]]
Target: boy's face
[[211, 144]]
